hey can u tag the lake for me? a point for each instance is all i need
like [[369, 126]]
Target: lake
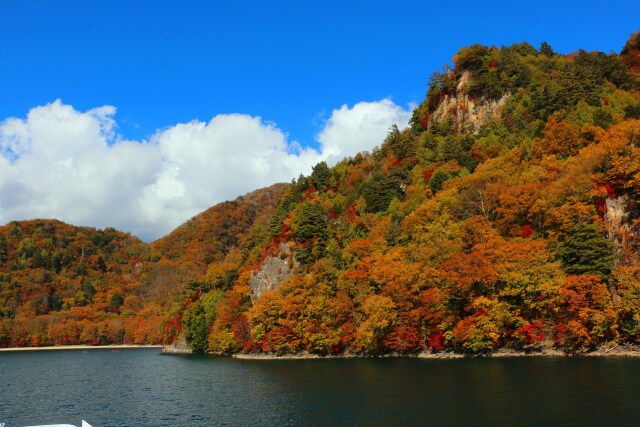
[[141, 387]]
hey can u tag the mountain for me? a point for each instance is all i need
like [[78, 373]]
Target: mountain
[[209, 236], [62, 284], [507, 215]]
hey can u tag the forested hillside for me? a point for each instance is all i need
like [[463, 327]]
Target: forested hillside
[[61, 284], [507, 215], [207, 238]]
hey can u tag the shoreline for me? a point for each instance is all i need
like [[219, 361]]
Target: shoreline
[[615, 352], [80, 347]]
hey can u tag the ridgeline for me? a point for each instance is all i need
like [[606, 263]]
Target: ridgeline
[[506, 216]]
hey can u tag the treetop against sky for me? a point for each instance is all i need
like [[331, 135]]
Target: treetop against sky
[[149, 112]]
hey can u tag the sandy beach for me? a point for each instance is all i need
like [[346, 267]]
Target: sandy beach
[[80, 347]]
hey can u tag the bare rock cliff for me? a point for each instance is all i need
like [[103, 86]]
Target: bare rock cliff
[[623, 234], [468, 114], [272, 271]]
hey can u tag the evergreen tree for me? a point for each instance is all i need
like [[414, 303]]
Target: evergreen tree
[[438, 179], [632, 111], [546, 49], [196, 328], [310, 223], [585, 250], [320, 176]]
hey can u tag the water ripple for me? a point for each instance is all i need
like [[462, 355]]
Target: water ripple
[[144, 388]]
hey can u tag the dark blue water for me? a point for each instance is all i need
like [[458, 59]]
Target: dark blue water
[[144, 388]]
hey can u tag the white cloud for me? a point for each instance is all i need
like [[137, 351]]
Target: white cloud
[[71, 165], [352, 130]]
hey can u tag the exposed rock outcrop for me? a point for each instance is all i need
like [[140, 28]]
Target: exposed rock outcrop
[[272, 271], [623, 237], [178, 347], [468, 114]]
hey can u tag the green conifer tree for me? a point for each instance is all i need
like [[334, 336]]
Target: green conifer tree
[[585, 250]]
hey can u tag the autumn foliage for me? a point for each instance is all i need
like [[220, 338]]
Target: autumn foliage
[[523, 235]]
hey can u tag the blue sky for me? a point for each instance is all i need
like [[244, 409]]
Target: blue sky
[[315, 73], [290, 62]]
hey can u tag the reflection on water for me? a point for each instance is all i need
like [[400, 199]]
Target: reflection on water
[[144, 388]]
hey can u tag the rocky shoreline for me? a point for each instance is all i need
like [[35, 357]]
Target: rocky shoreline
[[178, 347], [616, 351], [183, 348]]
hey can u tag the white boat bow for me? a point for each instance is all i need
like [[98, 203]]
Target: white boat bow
[[84, 424]]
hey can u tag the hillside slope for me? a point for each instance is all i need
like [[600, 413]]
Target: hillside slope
[[208, 236], [506, 216], [61, 284]]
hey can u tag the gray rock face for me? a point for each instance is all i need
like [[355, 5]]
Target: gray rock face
[[179, 347], [272, 271], [617, 224], [468, 114]]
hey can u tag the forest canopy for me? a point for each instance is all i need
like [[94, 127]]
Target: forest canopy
[[507, 215]]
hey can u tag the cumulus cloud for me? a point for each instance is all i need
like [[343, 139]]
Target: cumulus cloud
[[363, 127], [62, 163]]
